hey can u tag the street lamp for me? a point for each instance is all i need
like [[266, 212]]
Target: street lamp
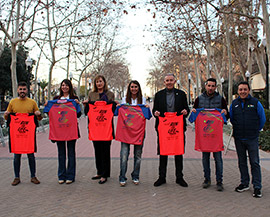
[[90, 82], [28, 63], [189, 78], [247, 74], [222, 81], [70, 76], [195, 91], [178, 84], [38, 82], [266, 72]]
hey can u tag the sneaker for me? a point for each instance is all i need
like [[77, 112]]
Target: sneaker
[[123, 183], [242, 188], [16, 181], [181, 182], [220, 186], [69, 181], [206, 183], [159, 182], [35, 180], [136, 181], [61, 181], [257, 193]]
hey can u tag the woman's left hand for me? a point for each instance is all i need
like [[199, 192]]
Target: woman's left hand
[[77, 101]]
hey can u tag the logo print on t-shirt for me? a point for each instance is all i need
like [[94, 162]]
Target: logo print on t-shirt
[[63, 118], [101, 117], [172, 130], [128, 122], [23, 127], [208, 128]]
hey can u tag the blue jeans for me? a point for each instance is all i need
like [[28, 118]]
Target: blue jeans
[[218, 162], [17, 164], [124, 153], [66, 173], [252, 147]]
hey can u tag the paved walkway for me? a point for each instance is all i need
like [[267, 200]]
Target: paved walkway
[[87, 198]]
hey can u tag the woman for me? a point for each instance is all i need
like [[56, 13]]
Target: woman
[[102, 148], [133, 97], [67, 174]]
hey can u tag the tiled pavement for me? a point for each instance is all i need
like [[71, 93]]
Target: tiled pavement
[[87, 198]]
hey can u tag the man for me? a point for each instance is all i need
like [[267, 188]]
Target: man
[[211, 99], [170, 100], [23, 104], [248, 118]]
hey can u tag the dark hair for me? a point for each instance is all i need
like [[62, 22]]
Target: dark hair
[[104, 80], [22, 83], [211, 80], [169, 74], [139, 94], [69, 84], [245, 83]]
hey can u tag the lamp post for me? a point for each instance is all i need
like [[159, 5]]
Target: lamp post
[[178, 84], [195, 91], [189, 78], [266, 72], [222, 81], [90, 82], [70, 76], [28, 63], [38, 82], [247, 74]]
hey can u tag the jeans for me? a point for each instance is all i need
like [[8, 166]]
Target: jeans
[[218, 162], [124, 153], [17, 164], [66, 173], [252, 147]]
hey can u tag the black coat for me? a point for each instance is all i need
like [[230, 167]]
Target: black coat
[[160, 104]]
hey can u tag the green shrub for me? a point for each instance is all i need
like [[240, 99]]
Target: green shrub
[[267, 123], [264, 140]]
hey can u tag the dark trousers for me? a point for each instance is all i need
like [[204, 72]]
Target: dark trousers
[[103, 157], [163, 160], [17, 164], [66, 172]]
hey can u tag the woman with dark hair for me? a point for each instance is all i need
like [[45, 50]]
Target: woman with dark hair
[[67, 174], [133, 97], [102, 148]]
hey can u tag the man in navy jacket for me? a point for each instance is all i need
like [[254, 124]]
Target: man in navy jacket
[[248, 118], [170, 100]]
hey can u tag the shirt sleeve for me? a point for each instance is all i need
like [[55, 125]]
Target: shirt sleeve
[[261, 115], [143, 101], [123, 100]]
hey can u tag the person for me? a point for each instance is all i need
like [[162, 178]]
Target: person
[[248, 118], [23, 104], [210, 99], [102, 148], [133, 97], [170, 100], [67, 173]]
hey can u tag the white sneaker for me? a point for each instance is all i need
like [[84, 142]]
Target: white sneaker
[[123, 183], [136, 181], [61, 181]]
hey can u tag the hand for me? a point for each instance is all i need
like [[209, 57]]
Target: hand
[[46, 103], [77, 101], [118, 105], [147, 106], [37, 113], [157, 113], [6, 113], [224, 111], [194, 110], [184, 112]]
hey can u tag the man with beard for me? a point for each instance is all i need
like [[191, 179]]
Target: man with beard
[[210, 99], [23, 104]]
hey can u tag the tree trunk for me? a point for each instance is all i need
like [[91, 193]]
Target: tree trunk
[[13, 69]]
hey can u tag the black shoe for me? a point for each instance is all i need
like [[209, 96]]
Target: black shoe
[[220, 186], [242, 188], [257, 193], [159, 182], [206, 183], [96, 177], [181, 182], [102, 181]]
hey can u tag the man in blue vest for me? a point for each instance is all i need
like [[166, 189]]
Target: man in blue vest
[[211, 99], [248, 118]]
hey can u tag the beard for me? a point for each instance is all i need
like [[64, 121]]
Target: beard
[[22, 95]]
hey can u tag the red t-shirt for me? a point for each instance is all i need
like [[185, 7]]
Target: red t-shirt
[[130, 125], [171, 134], [100, 116], [209, 131], [63, 122], [22, 133]]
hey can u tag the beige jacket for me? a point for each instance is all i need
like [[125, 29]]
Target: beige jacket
[[94, 96]]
